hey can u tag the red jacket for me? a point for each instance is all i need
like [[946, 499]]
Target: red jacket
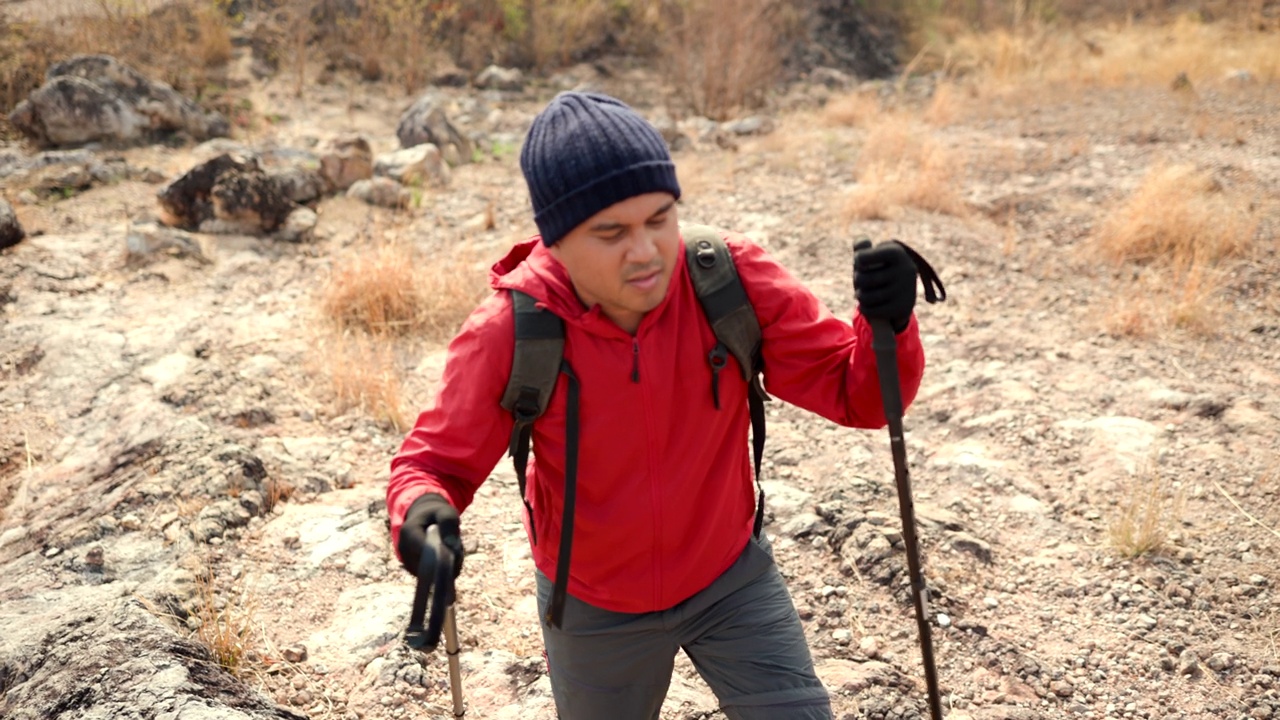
[[665, 491]]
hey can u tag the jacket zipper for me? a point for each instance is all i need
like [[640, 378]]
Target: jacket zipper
[[635, 360]]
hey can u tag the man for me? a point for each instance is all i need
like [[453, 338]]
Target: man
[[664, 556]]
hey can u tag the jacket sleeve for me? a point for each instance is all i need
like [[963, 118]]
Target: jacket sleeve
[[811, 358], [458, 440]]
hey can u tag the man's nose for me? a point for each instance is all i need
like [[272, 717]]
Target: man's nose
[[643, 248]]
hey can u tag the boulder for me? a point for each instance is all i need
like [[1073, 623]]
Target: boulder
[[96, 98], [147, 241], [418, 165], [96, 657], [11, 232], [425, 122], [226, 194], [500, 78], [301, 184], [381, 191], [346, 159]]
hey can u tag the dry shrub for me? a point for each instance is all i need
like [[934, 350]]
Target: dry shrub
[[856, 109], [224, 623], [185, 43], [1163, 299], [391, 38], [379, 294], [1046, 57], [1180, 225], [363, 375], [390, 289], [1149, 508], [1179, 215], [724, 55], [26, 52], [562, 30], [902, 166], [946, 106]]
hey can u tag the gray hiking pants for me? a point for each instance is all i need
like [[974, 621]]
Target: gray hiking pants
[[742, 634]]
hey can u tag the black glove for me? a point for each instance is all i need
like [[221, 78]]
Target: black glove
[[430, 509], [884, 281]]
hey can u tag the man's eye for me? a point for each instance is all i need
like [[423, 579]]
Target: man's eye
[[658, 221]]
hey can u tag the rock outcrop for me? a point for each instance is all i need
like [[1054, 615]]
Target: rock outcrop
[[425, 122], [11, 232], [96, 98], [115, 658], [226, 194]]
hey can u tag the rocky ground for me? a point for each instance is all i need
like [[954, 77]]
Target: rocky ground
[[156, 406]]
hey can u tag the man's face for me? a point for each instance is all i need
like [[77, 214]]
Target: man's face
[[622, 257]]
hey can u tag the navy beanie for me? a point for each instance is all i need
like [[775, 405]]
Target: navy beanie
[[585, 152]]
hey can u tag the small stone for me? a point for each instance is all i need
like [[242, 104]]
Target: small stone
[[303, 698], [1189, 664], [295, 653], [842, 636], [1219, 662], [1062, 688], [131, 522], [94, 558], [870, 646], [944, 620], [991, 602], [52, 552]]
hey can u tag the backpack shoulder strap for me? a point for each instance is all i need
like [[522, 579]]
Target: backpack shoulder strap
[[536, 364], [536, 360], [737, 329], [723, 299]]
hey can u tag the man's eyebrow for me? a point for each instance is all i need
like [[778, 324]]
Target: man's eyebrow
[[607, 225]]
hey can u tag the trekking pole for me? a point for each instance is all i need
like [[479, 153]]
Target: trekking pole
[[885, 346], [435, 590]]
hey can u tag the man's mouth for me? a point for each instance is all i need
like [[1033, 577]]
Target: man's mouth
[[645, 281]]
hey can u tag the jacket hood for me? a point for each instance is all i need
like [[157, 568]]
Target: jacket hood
[[531, 268]]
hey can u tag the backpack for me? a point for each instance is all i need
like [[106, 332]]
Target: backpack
[[538, 362]]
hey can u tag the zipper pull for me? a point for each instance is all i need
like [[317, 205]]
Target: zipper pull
[[718, 357], [635, 360]]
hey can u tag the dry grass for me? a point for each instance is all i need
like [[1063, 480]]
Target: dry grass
[[390, 289], [856, 109], [224, 623], [1148, 510], [724, 55], [1168, 299], [1179, 215], [1044, 57], [1180, 226], [375, 296], [363, 374], [903, 166], [186, 43]]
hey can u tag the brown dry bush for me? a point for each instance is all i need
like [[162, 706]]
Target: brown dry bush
[[724, 55], [1149, 509], [856, 109], [186, 43], [363, 374], [390, 289], [225, 623], [376, 295], [1179, 225], [1179, 215], [903, 166]]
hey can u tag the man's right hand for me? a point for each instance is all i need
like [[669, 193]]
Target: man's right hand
[[430, 509]]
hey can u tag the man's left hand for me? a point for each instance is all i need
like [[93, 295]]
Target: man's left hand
[[884, 281]]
